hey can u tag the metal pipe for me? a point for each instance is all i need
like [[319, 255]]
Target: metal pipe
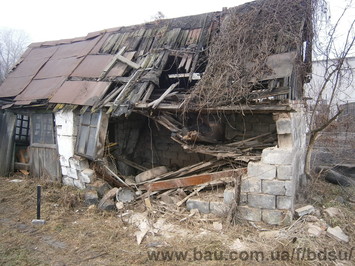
[[38, 202]]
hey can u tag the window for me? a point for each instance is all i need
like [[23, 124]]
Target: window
[[90, 142], [22, 129], [42, 129]]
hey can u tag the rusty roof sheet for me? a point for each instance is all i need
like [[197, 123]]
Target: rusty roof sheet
[[80, 92], [58, 68], [40, 89], [92, 66], [77, 49], [12, 86]]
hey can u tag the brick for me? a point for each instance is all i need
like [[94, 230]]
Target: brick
[[277, 217], [262, 201], [284, 202], [276, 187], [250, 214], [261, 170], [277, 156], [64, 170], [91, 197], [251, 185], [64, 161], [284, 172], [283, 126], [66, 146]]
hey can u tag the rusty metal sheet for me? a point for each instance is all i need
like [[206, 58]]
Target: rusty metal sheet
[[80, 92], [77, 49], [28, 67], [13, 86], [58, 68], [40, 89], [92, 66], [41, 52]]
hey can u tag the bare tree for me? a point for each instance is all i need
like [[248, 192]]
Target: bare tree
[[12, 45], [333, 43]]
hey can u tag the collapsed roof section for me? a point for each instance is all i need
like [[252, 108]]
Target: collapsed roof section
[[145, 65]]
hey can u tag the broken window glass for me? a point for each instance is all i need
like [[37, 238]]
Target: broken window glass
[[90, 142]]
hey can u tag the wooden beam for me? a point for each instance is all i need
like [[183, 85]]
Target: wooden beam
[[127, 61], [195, 76], [111, 64], [192, 180]]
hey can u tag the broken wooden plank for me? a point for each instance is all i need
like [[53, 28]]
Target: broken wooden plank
[[191, 195], [111, 64], [132, 164], [127, 61], [192, 180], [156, 103], [195, 76]]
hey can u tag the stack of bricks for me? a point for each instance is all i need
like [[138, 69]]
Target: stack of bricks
[[268, 190], [75, 169]]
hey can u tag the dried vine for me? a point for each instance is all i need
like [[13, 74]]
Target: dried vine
[[248, 35]]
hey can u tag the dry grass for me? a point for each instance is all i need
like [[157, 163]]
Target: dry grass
[[76, 234]]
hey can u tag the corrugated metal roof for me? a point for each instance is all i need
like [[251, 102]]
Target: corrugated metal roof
[[80, 92]]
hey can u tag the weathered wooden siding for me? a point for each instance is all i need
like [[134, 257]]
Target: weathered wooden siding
[[7, 128], [45, 163]]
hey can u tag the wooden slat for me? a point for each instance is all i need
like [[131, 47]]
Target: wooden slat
[[192, 180]]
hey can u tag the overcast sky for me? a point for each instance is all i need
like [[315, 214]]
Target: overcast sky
[[45, 20]]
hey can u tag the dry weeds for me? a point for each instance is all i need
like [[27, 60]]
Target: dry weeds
[[76, 234]]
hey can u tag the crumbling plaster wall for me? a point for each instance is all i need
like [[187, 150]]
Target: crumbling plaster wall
[[75, 169], [268, 191]]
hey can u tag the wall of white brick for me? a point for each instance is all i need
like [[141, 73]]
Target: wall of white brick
[[75, 169], [268, 190]]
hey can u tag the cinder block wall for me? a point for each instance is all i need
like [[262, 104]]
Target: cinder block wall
[[268, 190], [75, 169], [148, 144]]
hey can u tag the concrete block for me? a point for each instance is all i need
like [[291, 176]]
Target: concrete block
[[284, 172], [276, 187], [337, 233], [262, 201], [285, 141], [79, 184], [68, 181], [251, 185], [277, 217], [284, 202], [64, 161], [107, 205], [73, 173], [250, 214], [283, 126], [229, 195], [277, 156], [219, 208], [91, 197], [305, 210], [243, 198], [64, 170], [78, 163], [87, 175], [201, 206], [261, 170]]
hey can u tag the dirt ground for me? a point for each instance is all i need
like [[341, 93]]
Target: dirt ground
[[75, 234]]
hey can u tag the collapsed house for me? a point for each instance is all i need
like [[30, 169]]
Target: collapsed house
[[187, 103]]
